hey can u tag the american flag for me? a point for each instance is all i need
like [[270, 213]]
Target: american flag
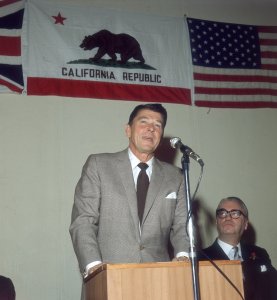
[[11, 75], [234, 65]]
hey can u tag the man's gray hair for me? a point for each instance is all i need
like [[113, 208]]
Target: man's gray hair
[[239, 201]]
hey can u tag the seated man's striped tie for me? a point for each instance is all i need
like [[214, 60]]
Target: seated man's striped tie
[[236, 253]]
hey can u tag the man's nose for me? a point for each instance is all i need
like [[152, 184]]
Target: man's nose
[[151, 127], [228, 216]]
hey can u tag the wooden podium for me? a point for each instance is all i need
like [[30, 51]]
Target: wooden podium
[[163, 281]]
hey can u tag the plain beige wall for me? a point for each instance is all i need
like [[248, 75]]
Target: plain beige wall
[[44, 142]]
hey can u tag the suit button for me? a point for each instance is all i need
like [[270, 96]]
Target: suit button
[[141, 247]]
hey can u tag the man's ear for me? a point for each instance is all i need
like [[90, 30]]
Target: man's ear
[[246, 225], [128, 130]]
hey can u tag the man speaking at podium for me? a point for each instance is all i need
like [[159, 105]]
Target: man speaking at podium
[[129, 205]]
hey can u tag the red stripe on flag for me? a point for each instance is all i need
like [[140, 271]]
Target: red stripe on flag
[[241, 91], [7, 2], [229, 104], [267, 29], [10, 46], [234, 78], [106, 90], [272, 67], [268, 42], [11, 86], [269, 54]]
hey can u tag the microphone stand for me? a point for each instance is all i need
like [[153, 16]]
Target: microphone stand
[[192, 252]]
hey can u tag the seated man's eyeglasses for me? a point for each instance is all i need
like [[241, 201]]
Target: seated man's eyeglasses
[[234, 213]]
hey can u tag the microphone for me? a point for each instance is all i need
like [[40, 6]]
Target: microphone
[[177, 143]]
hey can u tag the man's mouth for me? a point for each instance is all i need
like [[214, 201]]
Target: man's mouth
[[148, 138], [228, 225]]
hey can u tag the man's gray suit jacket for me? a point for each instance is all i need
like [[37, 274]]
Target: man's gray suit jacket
[[105, 224]]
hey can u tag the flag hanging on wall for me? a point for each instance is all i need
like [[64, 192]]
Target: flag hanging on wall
[[83, 51], [233, 65], [11, 16]]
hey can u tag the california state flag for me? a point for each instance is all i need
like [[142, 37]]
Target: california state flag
[[83, 51]]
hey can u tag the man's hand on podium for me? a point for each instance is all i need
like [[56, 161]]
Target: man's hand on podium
[[92, 269], [180, 258]]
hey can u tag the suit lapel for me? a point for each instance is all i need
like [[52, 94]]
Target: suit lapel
[[217, 251], [126, 175], [155, 185], [247, 252]]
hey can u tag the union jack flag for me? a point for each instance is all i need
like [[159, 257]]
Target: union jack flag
[[11, 74]]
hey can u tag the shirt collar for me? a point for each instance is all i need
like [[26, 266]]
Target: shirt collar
[[135, 161], [227, 247]]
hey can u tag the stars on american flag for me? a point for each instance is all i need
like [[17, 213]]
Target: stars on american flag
[[224, 45]]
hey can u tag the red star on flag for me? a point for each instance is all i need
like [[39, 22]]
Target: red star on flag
[[59, 19]]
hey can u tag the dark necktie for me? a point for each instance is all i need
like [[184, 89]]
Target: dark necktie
[[142, 187]]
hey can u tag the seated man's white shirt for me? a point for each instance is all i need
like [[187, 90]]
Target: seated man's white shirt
[[227, 248]]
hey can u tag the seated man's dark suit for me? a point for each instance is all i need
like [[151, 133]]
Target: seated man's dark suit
[[7, 290], [260, 277]]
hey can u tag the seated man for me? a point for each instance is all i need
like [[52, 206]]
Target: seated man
[[7, 291], [260, 277]]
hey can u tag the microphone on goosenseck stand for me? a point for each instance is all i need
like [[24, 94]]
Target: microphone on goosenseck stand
[[177, 143], [188, 152]]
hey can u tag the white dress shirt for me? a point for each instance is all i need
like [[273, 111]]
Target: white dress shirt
[[135, 169], [228, 249]]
